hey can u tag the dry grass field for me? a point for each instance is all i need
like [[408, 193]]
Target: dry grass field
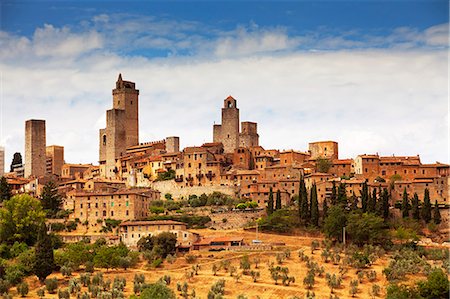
[[263, 288]]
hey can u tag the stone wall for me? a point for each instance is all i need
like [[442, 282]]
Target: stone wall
[[179, 192]]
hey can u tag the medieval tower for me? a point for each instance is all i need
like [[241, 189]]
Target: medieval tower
[[122, 126], [228, 131], [35, 158]]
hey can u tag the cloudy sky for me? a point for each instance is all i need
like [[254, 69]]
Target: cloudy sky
[[371, 75]]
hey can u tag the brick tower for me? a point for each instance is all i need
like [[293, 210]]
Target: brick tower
[[228, 131], [35, 157], [122, 125]]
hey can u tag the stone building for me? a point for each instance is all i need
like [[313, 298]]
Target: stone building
[[74, 171], [54, 160], [228, 132], [324, 149], [35, 156], [122, 126], [2, 161], [127, 204], [132, 231]]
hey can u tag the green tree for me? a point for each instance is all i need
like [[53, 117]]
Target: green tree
[[305, 211], [426, 208], [166, 242], [405, 204], [51, 200], [20, 219], [385, 203], [44, 262], [335, 222], [324, 208], [342, 195], [364, 196], [365, 228], [372, 203], [333, 194], [323, 165], [270, 203], [436, 286], [278, 200], [157, 291], [415, 207], [436, 214], [5, 189], [314, 206]]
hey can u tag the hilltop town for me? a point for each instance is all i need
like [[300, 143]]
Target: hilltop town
[[228, 196]]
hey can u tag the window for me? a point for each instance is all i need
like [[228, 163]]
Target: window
[[126, 203], [112, 203], [96, 204], [127, 213], [112, 213], [81, 205], [104, 213]]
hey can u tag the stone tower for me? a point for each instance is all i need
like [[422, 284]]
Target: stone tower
[[35, 157], [55, 159], [249, 136], [172, 144], [122, 125], [228, 131]]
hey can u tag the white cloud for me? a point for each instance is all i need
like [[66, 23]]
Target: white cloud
[[370, 100]]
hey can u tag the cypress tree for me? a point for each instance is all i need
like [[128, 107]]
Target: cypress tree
[[364, 197], [314, 206], [305, 205], [299, 203], [278, 201], [324, 208], [44, 260], [426, 208], [270, 203], [374, 200], [333, 195], [385, 203], [342, 195], [354, 202], [5, 189], [51, 200], [436, 214], [415, 207], [405, 204]]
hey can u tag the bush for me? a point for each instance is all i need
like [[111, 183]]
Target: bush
[[157, 291], [4, 286], [436, 285], [17, 248], [14, 274], [217, 289], [40, 292], [66, 271], [51, 284], [156, 210], [157, 263], [22, 289], [281, 221], [190, 258], [63, 294]]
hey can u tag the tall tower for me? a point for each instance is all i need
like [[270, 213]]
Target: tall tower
[[35, 158], [122, 126], [228, 131], [55, 159]]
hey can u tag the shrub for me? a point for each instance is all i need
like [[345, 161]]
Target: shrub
[[66, 271], [14, 274], [436, 285], [314, 246], [63, 294], [22, 289], [40, 292], [157, 291], [4, 286], [376, 290], [157, 263], [51, 284], [190, 258], [255, 275], [170, 258], [217, 289], [308, 281]]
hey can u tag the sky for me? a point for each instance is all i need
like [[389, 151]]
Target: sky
[[371, 75]]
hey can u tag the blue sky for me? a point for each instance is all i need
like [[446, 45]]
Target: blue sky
[[350, 71]]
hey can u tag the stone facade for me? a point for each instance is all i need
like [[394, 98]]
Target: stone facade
[[119, 205], [55, 159], [35, 157], [122, 126], [172, 144], [324, 149], [249, 135], [132, 231]]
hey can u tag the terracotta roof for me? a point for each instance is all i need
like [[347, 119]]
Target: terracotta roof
[[148, 222], [229, 98], [210, 144], [342, 161]]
